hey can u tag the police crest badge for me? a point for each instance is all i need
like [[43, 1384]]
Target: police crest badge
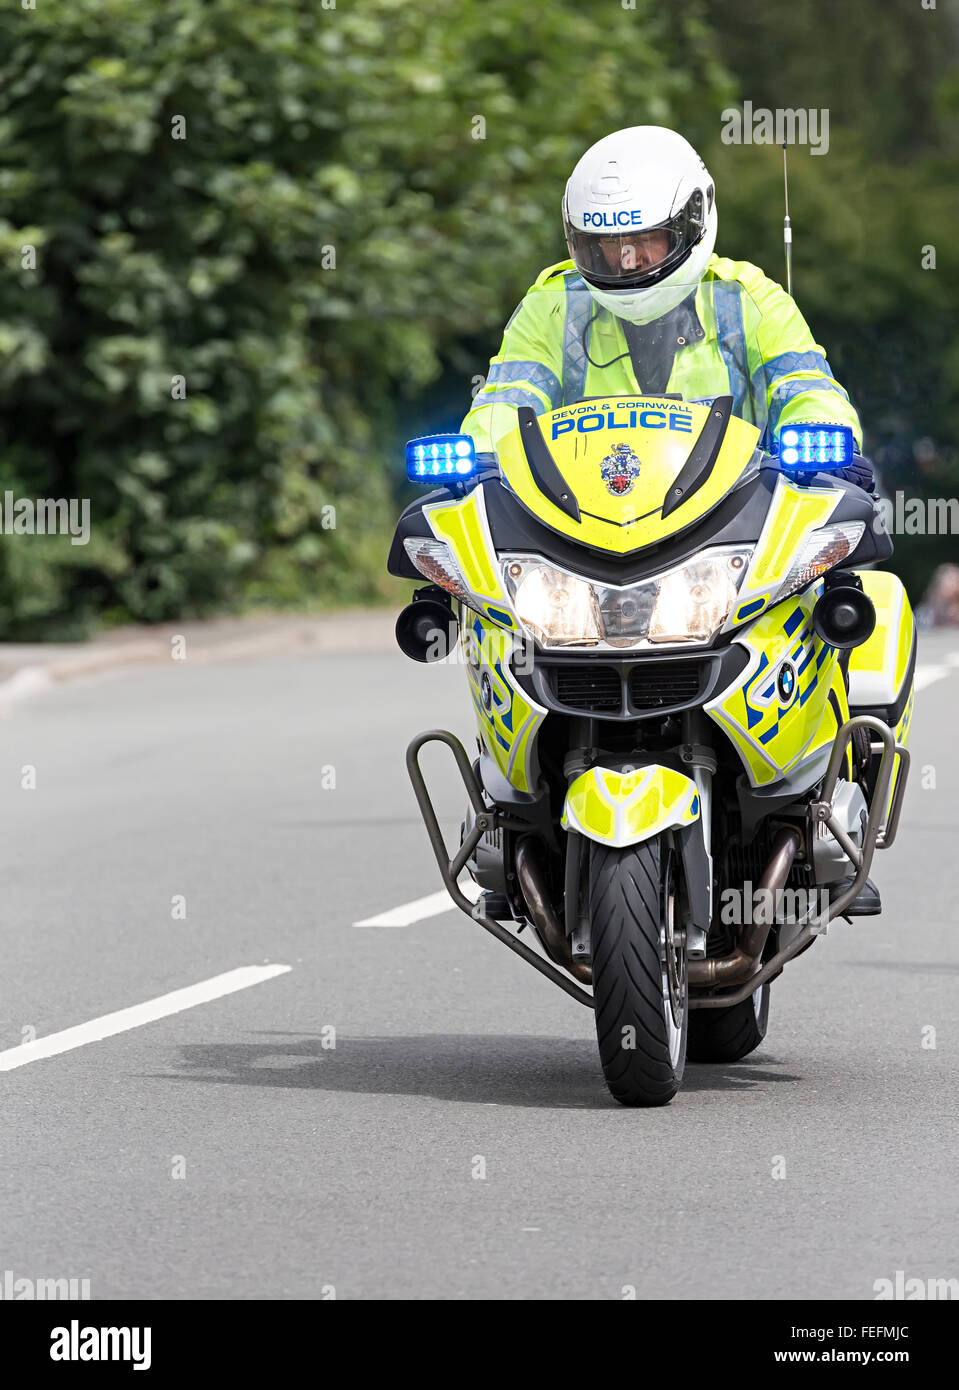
[[620, 469]]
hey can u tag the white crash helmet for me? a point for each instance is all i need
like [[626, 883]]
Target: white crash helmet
[[627, 191]]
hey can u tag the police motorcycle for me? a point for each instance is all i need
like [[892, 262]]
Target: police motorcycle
[[692, 691]]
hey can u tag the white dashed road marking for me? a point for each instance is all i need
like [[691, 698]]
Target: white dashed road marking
[[138, 1014], [420, 908]]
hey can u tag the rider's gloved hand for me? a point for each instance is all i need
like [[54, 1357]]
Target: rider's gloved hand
[[860, 472]]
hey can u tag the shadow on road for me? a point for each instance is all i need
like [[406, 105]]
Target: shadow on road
[[479, 1069]]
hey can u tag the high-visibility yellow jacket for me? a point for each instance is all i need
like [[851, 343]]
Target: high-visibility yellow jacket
[[747, 339]]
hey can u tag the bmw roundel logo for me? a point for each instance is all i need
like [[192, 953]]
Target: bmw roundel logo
[[486, 691], [786, 681]]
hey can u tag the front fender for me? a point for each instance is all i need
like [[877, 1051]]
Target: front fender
[[624, 808]]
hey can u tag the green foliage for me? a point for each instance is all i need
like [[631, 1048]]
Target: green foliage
[[863, 217], [328, 255], [305, 259]]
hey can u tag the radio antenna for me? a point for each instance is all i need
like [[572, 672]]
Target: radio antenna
[[787, 229]]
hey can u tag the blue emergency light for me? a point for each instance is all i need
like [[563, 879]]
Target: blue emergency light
[[440, 458], [815, 448]]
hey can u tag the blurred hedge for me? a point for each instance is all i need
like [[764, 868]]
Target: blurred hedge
[[311, 135], [329, 254], [862, 215]]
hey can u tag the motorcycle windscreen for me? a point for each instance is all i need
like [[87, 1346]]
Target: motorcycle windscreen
[[584, 441]]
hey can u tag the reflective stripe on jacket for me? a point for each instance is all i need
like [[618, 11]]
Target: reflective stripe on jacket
[[755, 346]]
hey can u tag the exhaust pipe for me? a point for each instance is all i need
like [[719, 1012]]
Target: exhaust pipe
[[744, 960], [549, 929]]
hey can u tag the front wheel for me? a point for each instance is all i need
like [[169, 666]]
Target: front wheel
[[640, 984]]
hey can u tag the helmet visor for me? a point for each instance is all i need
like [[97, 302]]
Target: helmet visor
[[640, 257]]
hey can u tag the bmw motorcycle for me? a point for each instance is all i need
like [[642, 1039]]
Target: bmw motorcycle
[[693, 692]]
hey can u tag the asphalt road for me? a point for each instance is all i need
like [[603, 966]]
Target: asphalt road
[[228, 1150]]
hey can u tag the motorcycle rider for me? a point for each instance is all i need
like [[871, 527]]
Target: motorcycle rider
[[644, 290], [640, 218]]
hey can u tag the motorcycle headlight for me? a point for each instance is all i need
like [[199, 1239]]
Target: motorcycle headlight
[[686, 604], [557, 608], [822, 549], [695, 600]]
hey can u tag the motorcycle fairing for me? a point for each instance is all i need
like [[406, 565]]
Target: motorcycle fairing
[[738, 519], [624, 808], [881, 669], [464, 527], [661, 434], [878, 667], [508, 718], [793, 513], [771, 730]]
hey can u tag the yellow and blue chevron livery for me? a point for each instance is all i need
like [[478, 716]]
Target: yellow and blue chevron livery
[[463, 526], [778, 710], [794, 513], [508, 719]]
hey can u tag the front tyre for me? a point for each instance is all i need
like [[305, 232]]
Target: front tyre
[[640, 982]]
